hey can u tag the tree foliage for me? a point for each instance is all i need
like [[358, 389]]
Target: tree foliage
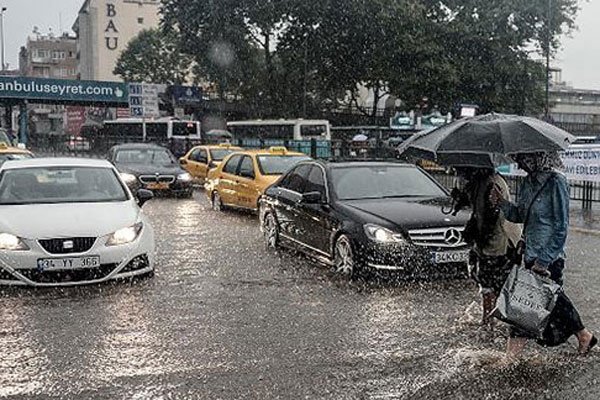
[[153, 57], [288, 57]]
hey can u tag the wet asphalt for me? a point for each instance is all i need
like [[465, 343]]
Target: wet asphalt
[[223, 318]]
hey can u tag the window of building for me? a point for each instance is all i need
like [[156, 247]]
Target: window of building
[[43, 72], [41, 53], [140, 20], [58, 55]]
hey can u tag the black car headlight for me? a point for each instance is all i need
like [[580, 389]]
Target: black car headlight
[[380, 234], [184, 177]]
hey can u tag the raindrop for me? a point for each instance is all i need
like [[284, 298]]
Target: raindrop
[[221, 54]]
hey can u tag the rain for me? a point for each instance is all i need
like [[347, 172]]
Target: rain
[[334, 199]]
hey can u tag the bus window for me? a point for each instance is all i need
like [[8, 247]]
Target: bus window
[[313, 130], [185, 129], [157, 131], [123, 129]]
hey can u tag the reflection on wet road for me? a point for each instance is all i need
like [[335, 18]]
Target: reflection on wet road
[[224, 318]]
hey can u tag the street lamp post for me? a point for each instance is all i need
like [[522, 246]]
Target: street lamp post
[[2, 36], [548, 41]]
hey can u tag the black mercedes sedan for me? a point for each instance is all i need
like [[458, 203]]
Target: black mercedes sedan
[[152, 167], [364, 217]]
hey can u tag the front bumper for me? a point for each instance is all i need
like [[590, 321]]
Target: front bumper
[[19, 268], [177, 186], [413, 260]]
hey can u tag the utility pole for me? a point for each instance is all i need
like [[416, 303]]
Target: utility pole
[[2, 36], [548, 40]]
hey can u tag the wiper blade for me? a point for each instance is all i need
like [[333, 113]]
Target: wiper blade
[[401, 196]]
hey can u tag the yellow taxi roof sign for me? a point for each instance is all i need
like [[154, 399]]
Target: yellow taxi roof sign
[[224, 144], [277, 149]]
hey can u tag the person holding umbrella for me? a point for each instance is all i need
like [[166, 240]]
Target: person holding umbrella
[[542, 205], [543, 208], [493, 239]]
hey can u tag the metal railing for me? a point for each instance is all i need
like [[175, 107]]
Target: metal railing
[[587, 193]]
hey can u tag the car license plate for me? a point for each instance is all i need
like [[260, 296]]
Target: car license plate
[[443, 257], [158, 186], [68, 263]]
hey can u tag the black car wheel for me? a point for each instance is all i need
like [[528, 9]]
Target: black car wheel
[[270, 231], [217, 203], [344, 262]]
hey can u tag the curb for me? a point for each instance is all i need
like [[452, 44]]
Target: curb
[[593, 232]]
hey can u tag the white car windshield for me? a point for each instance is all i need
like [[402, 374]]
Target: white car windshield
[[60, 185]]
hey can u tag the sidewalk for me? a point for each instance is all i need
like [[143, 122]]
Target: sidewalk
[[585, 221]]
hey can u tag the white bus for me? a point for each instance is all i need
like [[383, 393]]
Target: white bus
[[155, 129], [281, 129]]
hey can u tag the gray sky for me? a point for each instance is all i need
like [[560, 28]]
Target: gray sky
[[579, 59]]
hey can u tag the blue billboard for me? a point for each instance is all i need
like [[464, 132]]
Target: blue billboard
[[59, 90]]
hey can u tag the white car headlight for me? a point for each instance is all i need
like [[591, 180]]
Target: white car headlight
[[128, 178], [382, 235], [184, 177], [11, 242], [125, 235]]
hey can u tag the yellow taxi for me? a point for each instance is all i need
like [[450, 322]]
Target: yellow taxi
[[202, 158], [8, 153], [243, 176]]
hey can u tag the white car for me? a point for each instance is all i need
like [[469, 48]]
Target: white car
[[70, 222]]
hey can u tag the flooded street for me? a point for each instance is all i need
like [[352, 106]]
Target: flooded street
[[225, 318]]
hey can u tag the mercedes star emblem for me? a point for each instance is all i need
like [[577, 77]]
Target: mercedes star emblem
[[452, 237]]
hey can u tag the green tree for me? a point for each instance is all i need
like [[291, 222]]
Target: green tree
[[153, 57], [282, 57]]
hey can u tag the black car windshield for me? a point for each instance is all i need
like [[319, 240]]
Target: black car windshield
[[278, 164], [60, 185], [374, 182], [144, 157], [219, 154]]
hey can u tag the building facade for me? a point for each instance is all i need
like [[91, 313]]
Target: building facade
[[45, 56], [575, 110], [104, 28]]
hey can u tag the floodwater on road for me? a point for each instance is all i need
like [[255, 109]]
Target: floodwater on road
[[224, 318]]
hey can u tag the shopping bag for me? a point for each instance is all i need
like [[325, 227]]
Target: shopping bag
[[526, 301]]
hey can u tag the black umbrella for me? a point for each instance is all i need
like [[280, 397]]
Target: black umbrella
[[486, 140]]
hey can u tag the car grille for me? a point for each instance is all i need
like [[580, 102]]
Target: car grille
[[450, 236], [157, 178], [65, 276], [67, 245]]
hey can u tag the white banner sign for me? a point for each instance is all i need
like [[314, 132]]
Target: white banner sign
[[582, 163]]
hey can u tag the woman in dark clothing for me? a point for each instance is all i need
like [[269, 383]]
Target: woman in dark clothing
[[492, 239], [543, 207]]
